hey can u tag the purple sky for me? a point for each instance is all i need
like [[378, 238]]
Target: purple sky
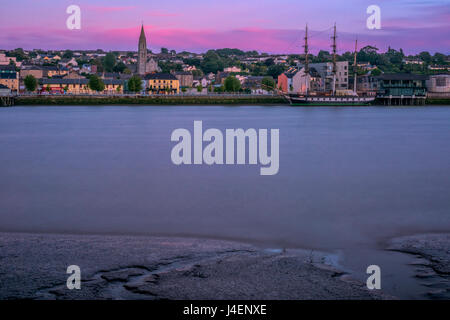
[[274, 26]]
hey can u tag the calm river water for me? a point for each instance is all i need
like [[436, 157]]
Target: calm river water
[[349, 178]]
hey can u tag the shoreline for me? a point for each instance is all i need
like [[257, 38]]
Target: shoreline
[[174, 100], [141, 267], [179, 268]]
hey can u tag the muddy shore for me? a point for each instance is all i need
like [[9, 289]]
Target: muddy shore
[[33, 266]]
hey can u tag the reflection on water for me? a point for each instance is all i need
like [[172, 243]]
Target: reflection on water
[[349, 177]]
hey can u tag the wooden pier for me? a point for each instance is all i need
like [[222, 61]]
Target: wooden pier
[[7, 100], [402, 100]]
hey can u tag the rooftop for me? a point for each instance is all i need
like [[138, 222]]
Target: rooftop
[[160, 76]]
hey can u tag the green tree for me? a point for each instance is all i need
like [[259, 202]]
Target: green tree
[[164, 50], [135, 84], [199, 88], [232, 84], [30, 83], [375, 72], [120, 67], [268, 83], [109, 62], [68, 54], [96, 83], [211, 62], [275, 70], [425, 56]]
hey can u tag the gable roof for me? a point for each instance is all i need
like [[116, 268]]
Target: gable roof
[[160, 76]]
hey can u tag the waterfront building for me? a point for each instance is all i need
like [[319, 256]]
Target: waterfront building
[[186, 79], [9, 77], [162, 83], [366, 85], [403, 88], [254, 84], [294, 81], [79, 86], [438, 86]]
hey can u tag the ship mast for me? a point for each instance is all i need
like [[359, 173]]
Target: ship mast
[[306, 58], [334, 59], [355, 67]]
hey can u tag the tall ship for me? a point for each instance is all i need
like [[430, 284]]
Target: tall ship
[[331, 97]]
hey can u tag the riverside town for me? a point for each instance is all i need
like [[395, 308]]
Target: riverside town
[[233, 76]]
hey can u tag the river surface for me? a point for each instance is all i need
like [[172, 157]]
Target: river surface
[[349, 178]]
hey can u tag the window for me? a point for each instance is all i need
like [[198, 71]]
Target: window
[[441, 82]]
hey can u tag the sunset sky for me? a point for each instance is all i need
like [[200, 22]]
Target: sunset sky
[[273, 26]]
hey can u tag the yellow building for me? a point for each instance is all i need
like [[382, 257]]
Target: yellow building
[[80, 86], [9, 77], [162, 83]]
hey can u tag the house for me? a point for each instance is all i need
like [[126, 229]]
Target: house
[[436, 67], [4, 60], [254, 83], [35, 71], [186, 79], [162, 83], [201, 81], [232, 69], [79, 86], [50, 71], [366, 66], [68, 62], [412, 61], [9, 77], [285, 80]]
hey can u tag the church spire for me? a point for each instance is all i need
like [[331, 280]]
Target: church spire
[[142, 53], [142, 37]]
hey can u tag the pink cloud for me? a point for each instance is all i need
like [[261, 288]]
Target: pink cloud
[[157, 13], [200, 40], [106, 9]]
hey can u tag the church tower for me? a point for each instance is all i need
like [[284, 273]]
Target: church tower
[[142, 53]]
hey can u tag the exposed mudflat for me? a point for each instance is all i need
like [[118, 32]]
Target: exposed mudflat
[[33, 266], [432, 265]]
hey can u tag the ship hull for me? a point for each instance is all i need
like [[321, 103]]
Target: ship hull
[[329, 101]]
